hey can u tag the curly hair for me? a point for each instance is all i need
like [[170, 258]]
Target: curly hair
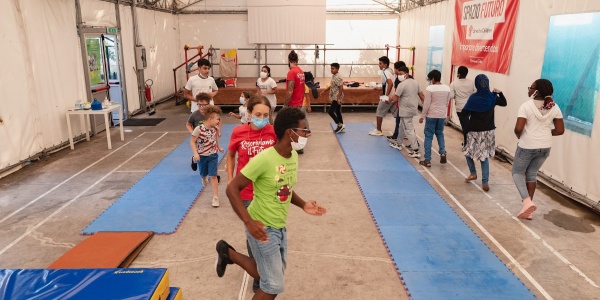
[[256, 99], [287, 118], [212, 109], [203, 97]]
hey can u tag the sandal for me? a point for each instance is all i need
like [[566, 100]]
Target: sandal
[[443, 158], [471, 177], [425, 163]]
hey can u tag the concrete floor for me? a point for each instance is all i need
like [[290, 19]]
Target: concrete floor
[[44, 206]]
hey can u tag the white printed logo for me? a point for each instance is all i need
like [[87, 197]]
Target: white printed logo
[[480, 16]]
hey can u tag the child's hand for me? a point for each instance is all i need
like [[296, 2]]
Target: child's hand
[[196, 157], [308, 109], [221, 150], [420, 120], [231, 113]]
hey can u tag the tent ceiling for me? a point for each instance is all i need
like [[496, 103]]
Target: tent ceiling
[[239, 6]]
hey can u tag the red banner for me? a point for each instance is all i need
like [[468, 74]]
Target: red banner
[[483, 34]]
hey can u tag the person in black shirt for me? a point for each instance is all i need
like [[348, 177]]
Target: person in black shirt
[[481, 141]]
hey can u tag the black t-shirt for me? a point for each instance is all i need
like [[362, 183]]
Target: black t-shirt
[[483, 121]]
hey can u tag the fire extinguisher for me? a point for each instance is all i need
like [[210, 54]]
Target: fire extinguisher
[[150, 106]]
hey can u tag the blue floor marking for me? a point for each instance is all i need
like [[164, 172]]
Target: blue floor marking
[[437, 255], [160, 200]]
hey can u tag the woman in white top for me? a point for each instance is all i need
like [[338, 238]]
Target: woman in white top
[[538, 120], [266, 86]]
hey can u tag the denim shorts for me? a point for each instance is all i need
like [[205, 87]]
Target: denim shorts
[[208, 165], [270, 259]]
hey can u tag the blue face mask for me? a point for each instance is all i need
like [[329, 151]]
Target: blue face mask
[[242, 100], [260, 123]]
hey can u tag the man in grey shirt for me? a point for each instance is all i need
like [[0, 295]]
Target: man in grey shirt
[[407, 97], [460, 91]]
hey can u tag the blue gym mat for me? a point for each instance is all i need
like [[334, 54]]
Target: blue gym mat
[[436, 254], [160, 200]]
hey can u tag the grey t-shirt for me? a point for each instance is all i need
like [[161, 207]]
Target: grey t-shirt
[[196, 119], [408, 98]]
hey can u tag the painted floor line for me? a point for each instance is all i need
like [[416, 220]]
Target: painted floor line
[[491, 237], [32, 229], [64, 181], [535, 235]]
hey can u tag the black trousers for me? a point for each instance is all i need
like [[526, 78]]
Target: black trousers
[[335, 111]]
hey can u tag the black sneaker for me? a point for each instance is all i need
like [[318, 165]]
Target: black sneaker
[[194, 165], [222, 257], [390, 137], [337, 128]]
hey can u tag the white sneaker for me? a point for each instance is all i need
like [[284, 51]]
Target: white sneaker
[[215, 201], [395, 145], [376, 132], [415, 154], [205, 181]]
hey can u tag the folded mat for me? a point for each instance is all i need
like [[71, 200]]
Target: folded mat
[[104, 250]]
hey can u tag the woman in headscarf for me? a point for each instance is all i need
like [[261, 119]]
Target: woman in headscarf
[[481, 141], [534, 129]]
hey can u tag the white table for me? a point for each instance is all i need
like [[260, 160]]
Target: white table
[[85, 122]]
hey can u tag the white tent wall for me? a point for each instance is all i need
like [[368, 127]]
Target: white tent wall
[[42, 78], [572, 161], [343, 31]]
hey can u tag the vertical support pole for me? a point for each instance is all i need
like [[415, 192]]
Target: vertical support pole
[[122, 69], [83, 47], [140, 72]]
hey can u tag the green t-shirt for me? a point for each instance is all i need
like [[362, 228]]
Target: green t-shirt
[[274, 177]]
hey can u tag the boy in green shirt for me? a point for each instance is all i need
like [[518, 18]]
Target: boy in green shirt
[[273, 173]]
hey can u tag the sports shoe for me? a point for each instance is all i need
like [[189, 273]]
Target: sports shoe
[[222, 257], [205, 181], [415, 154], [194, 165], [337, 128], [340, 129], [528, 208], [395, 145], [443, 158], [375, 132], [390, 138], [215, 201]]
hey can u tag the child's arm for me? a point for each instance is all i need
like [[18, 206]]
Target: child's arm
[[194, 149], [219, 146], [235, 115]]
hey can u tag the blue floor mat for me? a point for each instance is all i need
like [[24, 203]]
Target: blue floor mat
[[160, 200], [437, 255]]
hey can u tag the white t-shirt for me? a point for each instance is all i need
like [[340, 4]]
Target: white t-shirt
[[460, 90], [436, 100], [266, 86], [198, 85], [537, 133], [385, 75], [244, 114]]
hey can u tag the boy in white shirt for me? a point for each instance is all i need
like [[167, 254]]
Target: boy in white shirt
[[387, 84], [460, 90], [201, 83]]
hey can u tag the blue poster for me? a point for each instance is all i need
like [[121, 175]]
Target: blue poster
[[435, 50], [571, 63]]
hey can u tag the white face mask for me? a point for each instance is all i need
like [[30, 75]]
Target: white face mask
[[534, 94], [300, 144], [263, 75], [242, 100], [402, 77]]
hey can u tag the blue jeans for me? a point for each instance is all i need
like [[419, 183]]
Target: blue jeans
[[525, 167], [270, 259], [485, 169], [208, 165], [434, 126]]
